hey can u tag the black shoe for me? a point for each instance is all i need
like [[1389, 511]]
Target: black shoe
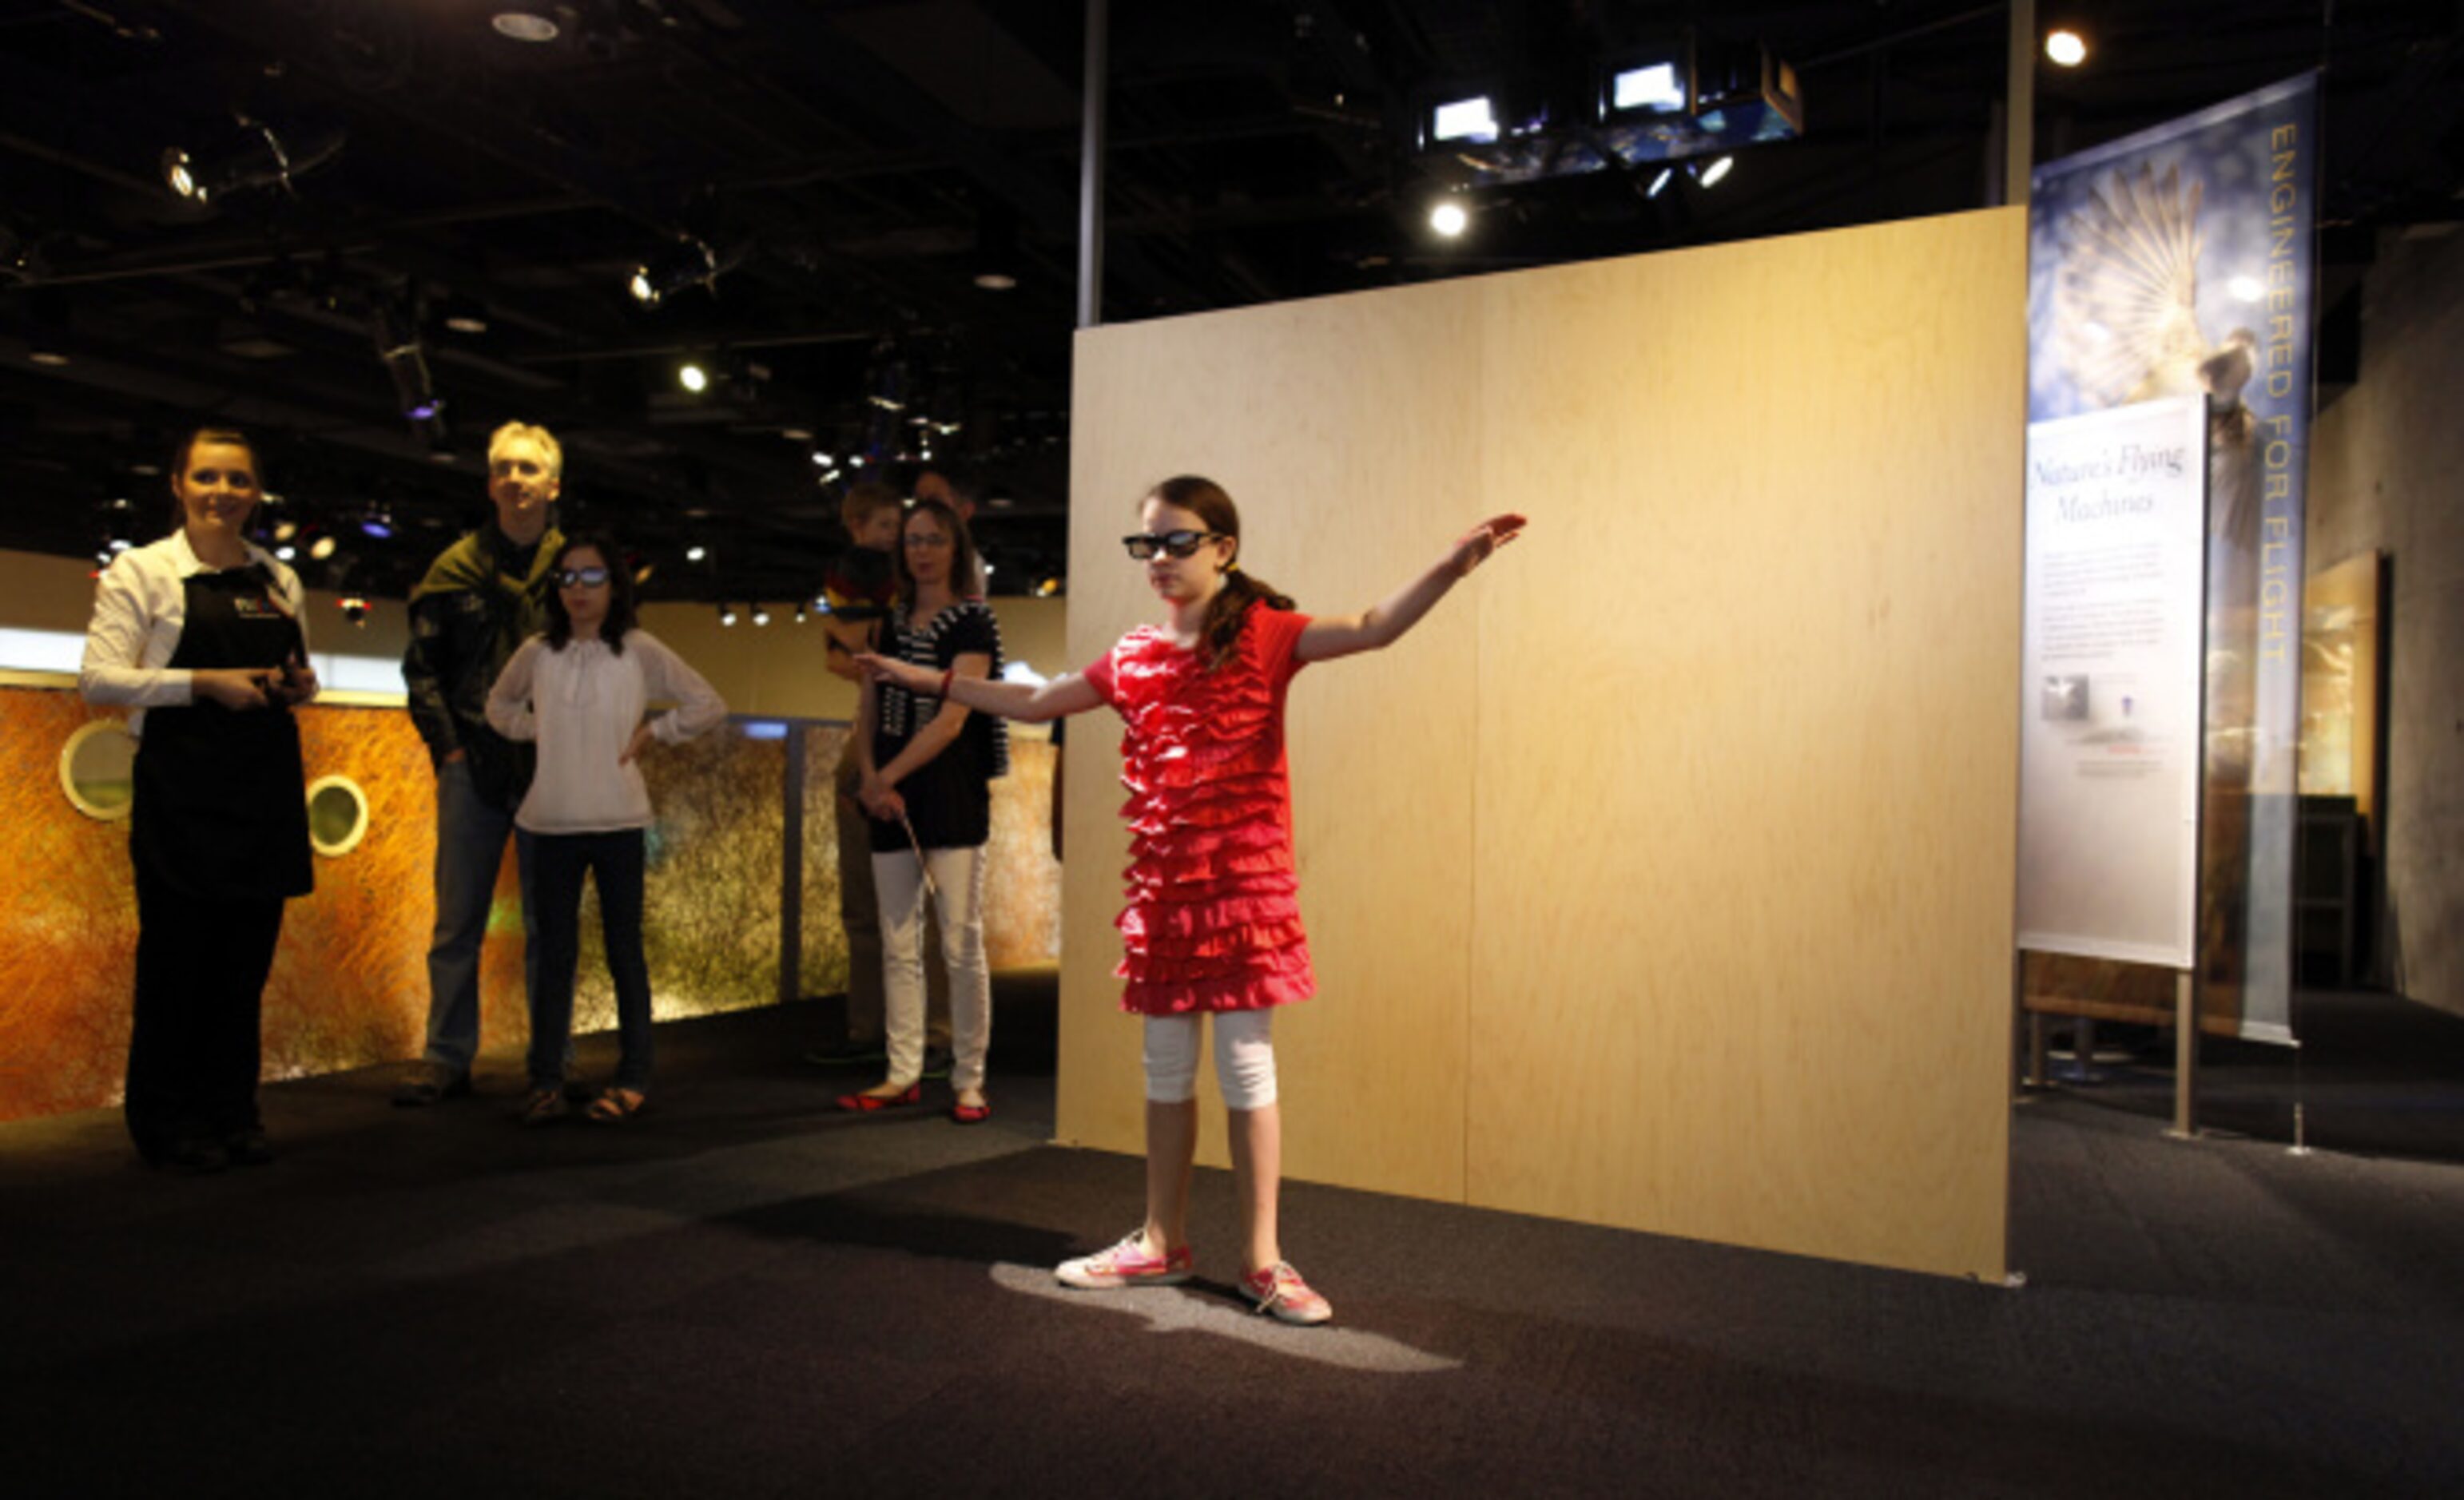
[[430, 1083], [248, 1148], [195, 1157], [848, 1054], [936, 1062]]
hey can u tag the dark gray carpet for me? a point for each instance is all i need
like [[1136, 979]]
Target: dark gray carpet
[[744, 1293]]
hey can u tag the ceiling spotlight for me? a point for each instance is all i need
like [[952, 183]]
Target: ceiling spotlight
[[286, 552], [682, 266], [20, 260], [695, 552], [692, 377], [46, 356], [762, 614], [405, 361], [377, 523], [642, 574], [996, 264], [524, 26], [727, 614], [797, 434], [1660, 183], [1472, 118], [321, 548], [800, 611], [2066, 47], [464, 315], [258, 156], [821, 460], [1448, 218], [1658, 87], [1710, 175], [285, 530]]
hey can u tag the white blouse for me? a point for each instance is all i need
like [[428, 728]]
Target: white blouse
[[140, 607], [582, 704]]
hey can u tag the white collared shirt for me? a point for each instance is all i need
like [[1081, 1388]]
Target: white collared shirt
[[141, 604]]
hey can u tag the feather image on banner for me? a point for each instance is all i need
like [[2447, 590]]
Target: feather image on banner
[[2127, 325], [2128, 328]]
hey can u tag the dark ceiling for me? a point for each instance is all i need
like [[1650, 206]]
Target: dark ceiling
[[866, 162]]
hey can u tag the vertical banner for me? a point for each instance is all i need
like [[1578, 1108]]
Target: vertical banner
[[2109, 742], [2178, 263]]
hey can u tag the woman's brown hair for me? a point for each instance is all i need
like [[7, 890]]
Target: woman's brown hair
[[1206, 500]]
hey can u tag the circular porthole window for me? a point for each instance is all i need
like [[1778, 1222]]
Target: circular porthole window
[[338, 815], [99, 769]]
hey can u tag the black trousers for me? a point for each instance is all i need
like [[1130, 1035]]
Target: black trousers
[[194, 1049], [615, 862]]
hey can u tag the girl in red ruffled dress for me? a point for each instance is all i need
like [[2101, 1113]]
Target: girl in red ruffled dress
[[1213, 924]]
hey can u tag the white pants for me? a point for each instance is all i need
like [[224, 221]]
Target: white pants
[[1245, 1059], [958, 881]]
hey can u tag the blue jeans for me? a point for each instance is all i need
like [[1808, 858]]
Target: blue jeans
[[614, 860], [470, 848]]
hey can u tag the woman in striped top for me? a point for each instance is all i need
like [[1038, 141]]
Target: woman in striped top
[[927, 765]]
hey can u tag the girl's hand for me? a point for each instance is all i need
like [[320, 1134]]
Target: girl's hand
[[235, 687], [902, 674], [1474, 547], [634, 747]]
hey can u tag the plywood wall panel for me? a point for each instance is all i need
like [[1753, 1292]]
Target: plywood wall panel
[[1351, 463], [1668, 855]]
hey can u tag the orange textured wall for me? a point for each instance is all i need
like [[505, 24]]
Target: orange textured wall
[[349, 987]]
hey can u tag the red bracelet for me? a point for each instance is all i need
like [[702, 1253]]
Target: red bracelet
[[947, 676]]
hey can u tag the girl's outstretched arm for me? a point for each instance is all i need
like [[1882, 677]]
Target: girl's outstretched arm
[[1067, 694], [1331, 635]]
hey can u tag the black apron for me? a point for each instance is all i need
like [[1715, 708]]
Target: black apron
[[221, 806]]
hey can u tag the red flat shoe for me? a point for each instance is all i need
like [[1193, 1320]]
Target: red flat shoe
[[867, 1103], [972, 1114]]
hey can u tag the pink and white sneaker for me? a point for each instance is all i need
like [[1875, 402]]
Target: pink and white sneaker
[[1279, 1291], [1128, 1263]]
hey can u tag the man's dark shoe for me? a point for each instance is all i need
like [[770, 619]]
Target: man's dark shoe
[[193, 1156], [848, 1054], [430, 1083]]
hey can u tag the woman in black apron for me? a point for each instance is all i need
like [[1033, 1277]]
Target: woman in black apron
[[201, 633]]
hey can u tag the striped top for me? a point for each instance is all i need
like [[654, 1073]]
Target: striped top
[[935, 646]]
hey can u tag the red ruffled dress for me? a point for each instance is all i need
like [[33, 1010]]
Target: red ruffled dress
[[1214, 918]]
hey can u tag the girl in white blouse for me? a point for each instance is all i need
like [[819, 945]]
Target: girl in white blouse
[[581, 690]]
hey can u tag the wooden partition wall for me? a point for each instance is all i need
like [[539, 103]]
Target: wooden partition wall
[[1664, 877]]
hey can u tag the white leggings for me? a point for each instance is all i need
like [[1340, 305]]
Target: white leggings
[[1245, 1059]]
